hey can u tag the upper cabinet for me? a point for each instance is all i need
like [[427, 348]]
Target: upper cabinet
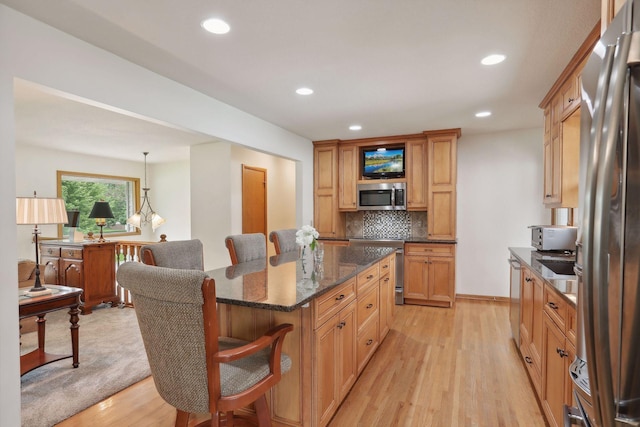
[[430, 169], [561, 138], [609, 10]]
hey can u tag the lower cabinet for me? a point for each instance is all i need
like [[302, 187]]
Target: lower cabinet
[[429, 274], [531, 300], [336, 369], [90, 266]]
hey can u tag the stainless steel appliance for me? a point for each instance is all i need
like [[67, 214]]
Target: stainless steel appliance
[[514, 298], [553, 237], [398, 245], [382, 196], [606, 371]]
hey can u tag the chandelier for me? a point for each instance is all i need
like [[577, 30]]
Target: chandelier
[[145, 214]]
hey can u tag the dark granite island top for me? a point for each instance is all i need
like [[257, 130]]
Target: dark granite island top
[[281, 283]]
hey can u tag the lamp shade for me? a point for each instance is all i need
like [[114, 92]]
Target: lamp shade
[[101, 209], [73, 218], [40, 210]]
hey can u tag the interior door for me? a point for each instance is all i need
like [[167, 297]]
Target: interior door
[[254, 200]]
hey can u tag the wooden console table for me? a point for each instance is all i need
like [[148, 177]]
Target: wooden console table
[[61, 298]]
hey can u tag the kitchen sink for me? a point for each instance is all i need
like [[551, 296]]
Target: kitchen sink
[[564, 268]]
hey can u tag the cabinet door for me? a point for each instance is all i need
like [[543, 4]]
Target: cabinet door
[[526, 306], [535, 345], [347, 178], [346, 362], [326, 394], [416, 277], [441, 279], [72, 273], [441, 187], [555, 372], [327, 219], [50, 274], [416, 174]]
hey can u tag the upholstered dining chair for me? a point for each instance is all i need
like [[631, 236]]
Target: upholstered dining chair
[[194, 370], [186, 254], [246, 247], [284, 240]]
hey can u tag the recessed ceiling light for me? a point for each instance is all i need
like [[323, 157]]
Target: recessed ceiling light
[[216, 26], [483, 114], [493, 59], [304, 91], [355, 127]]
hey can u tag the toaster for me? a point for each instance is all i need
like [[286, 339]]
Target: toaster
[[554, 237]]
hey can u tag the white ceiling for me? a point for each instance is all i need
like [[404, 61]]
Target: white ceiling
[[393, 66]]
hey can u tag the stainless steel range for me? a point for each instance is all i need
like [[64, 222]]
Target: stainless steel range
[[398, 245]]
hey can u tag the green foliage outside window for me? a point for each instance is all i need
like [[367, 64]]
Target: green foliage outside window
[[81, 191]]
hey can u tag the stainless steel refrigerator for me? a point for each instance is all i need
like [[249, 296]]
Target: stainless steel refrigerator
[[606, 372]]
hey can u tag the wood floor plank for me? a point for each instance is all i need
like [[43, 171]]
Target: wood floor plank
[[437, 367]]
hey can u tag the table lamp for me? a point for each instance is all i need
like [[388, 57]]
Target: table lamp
[[39, 211], [101, 210]]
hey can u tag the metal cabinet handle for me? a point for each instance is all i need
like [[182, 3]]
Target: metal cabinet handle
[[370, 276], [342, 325], [527, 279], [562, 352], [552, 305], [370, 341], [369, 305], [528, 360], [340, 297]]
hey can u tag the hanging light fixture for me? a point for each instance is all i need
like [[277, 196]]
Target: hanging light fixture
[[145, 214]]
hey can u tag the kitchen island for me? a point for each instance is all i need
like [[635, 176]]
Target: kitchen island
[[341, 310]]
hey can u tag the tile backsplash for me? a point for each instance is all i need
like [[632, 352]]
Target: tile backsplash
[[386, 224]]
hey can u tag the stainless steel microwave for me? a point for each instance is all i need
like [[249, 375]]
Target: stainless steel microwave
[[382, 196]]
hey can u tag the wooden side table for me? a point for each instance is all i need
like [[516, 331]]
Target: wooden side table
[[61, 298]]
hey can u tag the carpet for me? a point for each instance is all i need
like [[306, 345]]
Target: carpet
[[111, 357]]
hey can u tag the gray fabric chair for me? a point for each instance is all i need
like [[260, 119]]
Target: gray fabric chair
[[186, 254], [193, 369], [284, 240], [246, 247]]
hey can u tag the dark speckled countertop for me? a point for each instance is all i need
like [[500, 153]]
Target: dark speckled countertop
[[566, 285], [281, 283], [406, 239]]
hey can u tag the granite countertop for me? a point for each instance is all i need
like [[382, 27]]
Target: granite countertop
[[565, 284], [284, 283], [404, 239]]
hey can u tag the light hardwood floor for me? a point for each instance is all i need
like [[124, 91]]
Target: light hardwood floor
[[437, 367]]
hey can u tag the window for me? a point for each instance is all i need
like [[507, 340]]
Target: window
[[81, 190]]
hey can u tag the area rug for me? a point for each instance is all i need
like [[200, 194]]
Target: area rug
[[112, 357]]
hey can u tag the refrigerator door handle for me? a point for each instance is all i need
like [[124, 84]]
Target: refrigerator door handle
[[601, 235], [596, 136]]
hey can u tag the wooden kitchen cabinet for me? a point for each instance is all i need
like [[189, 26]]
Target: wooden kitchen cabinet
[[561, 139], [387, 294], [335, 341], [531, 335], [327, 219], [441, 187], [348, 178], [558, 354], [429, 274], [416, 174], [86, 265]]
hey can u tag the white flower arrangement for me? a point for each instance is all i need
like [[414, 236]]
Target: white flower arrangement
[[307, 236]]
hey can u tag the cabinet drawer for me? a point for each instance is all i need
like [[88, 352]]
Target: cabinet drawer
[[368, 278], [72, 253], [385, 265], [428, 249], [367, 342], [50, 251], [330, 303], [555, 306], [367, 306]]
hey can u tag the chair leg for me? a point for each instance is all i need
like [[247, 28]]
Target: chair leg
[[182, 419], [262, 412], [230, 419]]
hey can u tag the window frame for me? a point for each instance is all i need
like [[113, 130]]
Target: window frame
[[136, 194]]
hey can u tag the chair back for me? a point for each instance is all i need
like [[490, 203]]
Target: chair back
[[184, 254], [169, 307], [246, 247], [284, 240]]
